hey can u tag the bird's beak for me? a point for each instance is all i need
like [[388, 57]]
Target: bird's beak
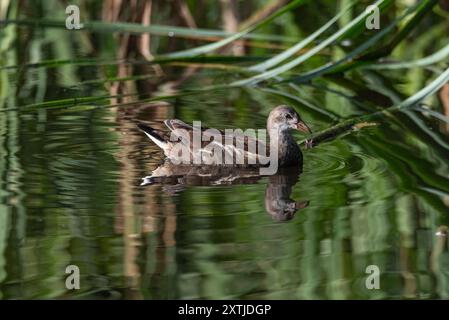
[[301, 126]]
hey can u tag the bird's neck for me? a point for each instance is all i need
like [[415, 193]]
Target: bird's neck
[[288, 150], [281, 137]]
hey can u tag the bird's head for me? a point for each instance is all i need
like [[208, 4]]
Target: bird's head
[[283, 118]]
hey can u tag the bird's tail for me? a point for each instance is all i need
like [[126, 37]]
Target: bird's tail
[[153, 135]]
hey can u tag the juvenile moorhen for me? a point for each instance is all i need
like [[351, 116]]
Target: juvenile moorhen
[[280, 121]]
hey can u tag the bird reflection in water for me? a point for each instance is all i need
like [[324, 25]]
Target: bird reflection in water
[[277, 195], [278, 203]]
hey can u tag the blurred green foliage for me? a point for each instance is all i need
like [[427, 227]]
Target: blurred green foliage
[[71, 159]]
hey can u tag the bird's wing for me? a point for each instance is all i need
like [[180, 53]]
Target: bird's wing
[[221, 140], [235, 146], [179, 128], [179, 131], [249, 146], [175, 124]]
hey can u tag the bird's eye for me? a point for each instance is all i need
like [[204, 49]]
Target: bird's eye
[[288, 116]]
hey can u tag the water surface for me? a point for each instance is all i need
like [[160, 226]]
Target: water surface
[[70, 194]]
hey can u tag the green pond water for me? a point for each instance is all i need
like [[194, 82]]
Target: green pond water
[[70, 193]]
